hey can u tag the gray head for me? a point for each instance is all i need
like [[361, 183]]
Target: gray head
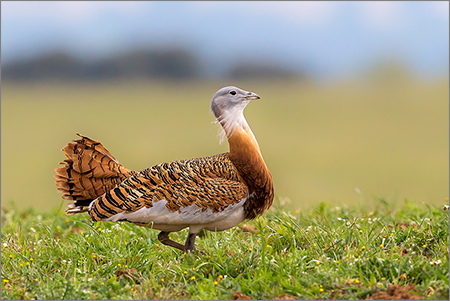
[[228, 106], [230, 101]]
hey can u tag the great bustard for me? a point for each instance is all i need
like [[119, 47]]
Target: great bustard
[[214, 193]]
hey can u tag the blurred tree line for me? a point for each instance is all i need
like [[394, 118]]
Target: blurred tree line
[[172, 63]]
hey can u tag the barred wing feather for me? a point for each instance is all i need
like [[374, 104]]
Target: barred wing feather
[[185, 187]]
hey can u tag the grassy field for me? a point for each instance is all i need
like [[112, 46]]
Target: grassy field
[[327, 252], [363, 149], [342, 143]]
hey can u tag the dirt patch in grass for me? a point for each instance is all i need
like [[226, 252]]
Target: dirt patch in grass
[[128, 274], [396, 292], [249, 228], [285, 297], [402, 225], [76, 230], [239, 296]]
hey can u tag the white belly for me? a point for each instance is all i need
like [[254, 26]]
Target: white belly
[[159, 218]]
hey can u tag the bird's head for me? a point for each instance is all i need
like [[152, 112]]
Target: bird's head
[[228, 106], [230, 101]]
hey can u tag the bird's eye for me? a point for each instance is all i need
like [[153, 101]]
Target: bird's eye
[[233, 92]]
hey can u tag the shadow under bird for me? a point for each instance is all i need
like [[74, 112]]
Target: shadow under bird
[[214, 193]]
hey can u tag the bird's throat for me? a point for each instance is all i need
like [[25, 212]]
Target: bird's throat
[[246, 155], [247, 158]]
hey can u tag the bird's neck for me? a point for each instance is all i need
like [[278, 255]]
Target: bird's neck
[[246, 156]]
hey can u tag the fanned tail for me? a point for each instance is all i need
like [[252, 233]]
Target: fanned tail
[[88, 172]]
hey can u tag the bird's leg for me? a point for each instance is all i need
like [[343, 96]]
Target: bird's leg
[[190, 242], [163, 237]]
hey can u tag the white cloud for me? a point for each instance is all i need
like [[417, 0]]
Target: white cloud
[[382, 14], [23, 9], [89, 9], [69, 11], [440, 8], [305, 12], [301, 12]]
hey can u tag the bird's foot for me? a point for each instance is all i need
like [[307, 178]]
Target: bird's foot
[[195, 250], [201, 252]]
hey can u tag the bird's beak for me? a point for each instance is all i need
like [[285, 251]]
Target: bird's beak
[[252, 96]]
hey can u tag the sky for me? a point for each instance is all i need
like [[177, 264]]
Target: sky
[[330, 39]]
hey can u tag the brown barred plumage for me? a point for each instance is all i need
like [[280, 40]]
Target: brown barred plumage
[[89, 171], [213, 193], [209, 183]]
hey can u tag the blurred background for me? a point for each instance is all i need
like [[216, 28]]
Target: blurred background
[[355, 95]]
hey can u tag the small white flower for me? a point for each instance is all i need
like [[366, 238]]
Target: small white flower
[[435, 262], [117, 227]]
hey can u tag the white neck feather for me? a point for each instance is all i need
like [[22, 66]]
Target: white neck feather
[[232, 121]]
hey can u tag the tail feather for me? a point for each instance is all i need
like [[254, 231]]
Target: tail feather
[[88, 172]]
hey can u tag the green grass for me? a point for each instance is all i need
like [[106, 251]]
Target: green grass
[[326, 252], [388, 139]]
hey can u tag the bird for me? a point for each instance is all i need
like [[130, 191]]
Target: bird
[[215, 193]]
